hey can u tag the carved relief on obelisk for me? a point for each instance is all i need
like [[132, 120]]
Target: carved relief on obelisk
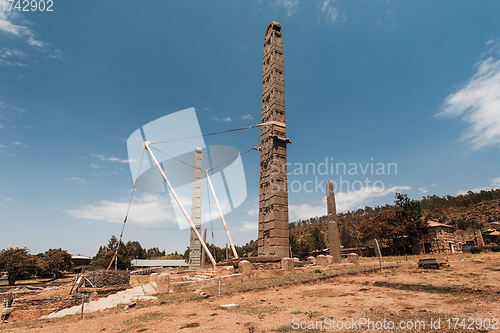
[[273, 195]]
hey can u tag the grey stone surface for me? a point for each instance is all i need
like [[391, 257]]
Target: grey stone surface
[[287, 264], [273, 192], [163, 283], [245, 267], [194, 242], [353, 258], [333, 227]]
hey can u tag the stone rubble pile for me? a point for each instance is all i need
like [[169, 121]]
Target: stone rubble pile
[[102, 278]]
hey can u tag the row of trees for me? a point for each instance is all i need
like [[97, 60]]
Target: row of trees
[[126, 253], [19, 263], [398, 226]]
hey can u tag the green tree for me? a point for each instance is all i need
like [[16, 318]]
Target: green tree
[[53, 261], [17, 263]]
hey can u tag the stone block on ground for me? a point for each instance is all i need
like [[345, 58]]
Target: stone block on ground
[[245, 267], [163, 283], [353, 258], [329, 259], [321, 260], [287, 264], [312, 259], [153, 277]]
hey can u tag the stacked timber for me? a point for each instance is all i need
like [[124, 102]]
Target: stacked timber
[[102, 278]]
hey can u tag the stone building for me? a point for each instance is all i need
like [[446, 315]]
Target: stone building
[[442, 238]]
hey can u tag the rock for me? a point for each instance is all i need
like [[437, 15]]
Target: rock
[[329, 259], [321, 260], [287, 264], [312, 259], [163, 283], [245, 267], [353, 258], [153, 277], [295, 259]]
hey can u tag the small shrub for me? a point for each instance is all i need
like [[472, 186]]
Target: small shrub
[[495, 248], [475, 250], [317, 270]]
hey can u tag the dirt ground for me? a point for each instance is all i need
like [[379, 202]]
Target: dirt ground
[[462, 296]]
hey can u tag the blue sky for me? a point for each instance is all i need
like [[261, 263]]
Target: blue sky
[[411, 84]]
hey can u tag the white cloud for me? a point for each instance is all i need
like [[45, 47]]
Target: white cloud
[[495, 182], [148, 210], [76, 180], [344, 201], [19, 144], [475, 190], [111, 158], [94, 166], [16, 27], [247, 116], [289, 5], [3, 147], [353, 200], [423, 190], [248, 226], [478, 104], [331, 12], [224, 119]]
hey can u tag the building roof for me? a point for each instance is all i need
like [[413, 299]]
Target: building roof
[[433, 224], [494, 233], [159, 263], [80, 257]]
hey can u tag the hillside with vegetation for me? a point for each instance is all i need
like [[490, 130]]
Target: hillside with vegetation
[[391, 222]]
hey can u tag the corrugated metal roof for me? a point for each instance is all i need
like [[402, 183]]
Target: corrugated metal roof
[[80, 257], [431, 224], [159, 263]]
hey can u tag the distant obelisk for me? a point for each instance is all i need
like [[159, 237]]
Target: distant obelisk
[[333, 226], [194, 243], [273, 192]]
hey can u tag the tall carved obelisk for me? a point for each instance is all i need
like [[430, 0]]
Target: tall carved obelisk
[[194, 243], [333, 224], [273, 195]]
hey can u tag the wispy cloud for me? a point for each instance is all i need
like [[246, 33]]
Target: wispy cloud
[[478, 104], [16, 27], [111, 158], [495, 182], [147, 210], [248, 226], [331, 12], [77, 180], [4, 147], [223, 119], [19, 144], [345, 201], [247, 116], [290, 6], [423, 190]]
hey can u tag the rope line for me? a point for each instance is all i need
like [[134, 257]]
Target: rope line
[[208, 134], [128, 209], [192, 166]]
